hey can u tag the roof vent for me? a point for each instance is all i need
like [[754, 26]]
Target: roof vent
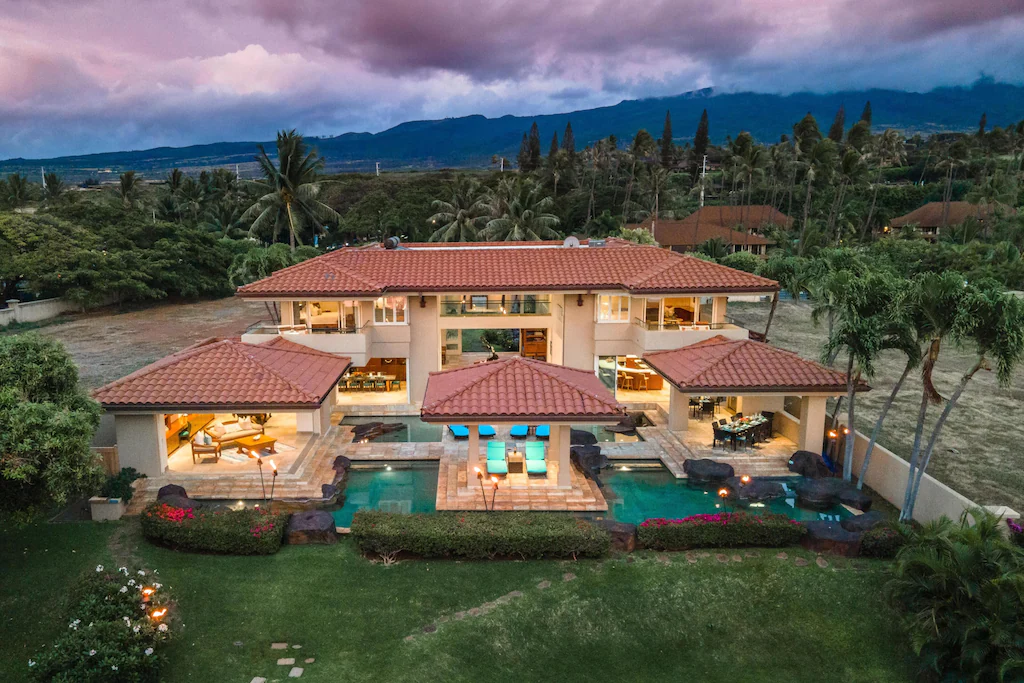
[[596, 243], [571, 241], [391, 243]]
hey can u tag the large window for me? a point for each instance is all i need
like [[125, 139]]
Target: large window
[[792, 404], [327, 316], [389, 310], [612, 308]]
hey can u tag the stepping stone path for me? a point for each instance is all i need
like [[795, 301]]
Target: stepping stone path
[[664, 559], [737, 558], [296, 647], [409, 639], [477, 611], [309, 661], [704, 555], [239, 643], [782, 556], [568, 576], [279, 646], [721, 558], [691, 558], [821, 562], [258, 679], [430, 628], [751, 553], [295, 672], [543, 584], [286, 661], [800, 562]]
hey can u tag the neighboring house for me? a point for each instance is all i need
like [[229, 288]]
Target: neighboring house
[[686, 236], [928, 219]]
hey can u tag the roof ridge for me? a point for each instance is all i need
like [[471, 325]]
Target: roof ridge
[[653, 270], [489, 372], [160, 364], [543, 369], [255, 361]]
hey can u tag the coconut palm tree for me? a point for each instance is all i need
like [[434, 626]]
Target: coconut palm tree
[[289, 191], [129, 190], [54, 188], [192, 198], [528, 218], [18, 191], [224, 219], [817, 164], [851, 171], [889, 150], [714, 247], [957, 155], [459, 217], [174, 179]]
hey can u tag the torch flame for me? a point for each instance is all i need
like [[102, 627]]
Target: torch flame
[[157, 613]]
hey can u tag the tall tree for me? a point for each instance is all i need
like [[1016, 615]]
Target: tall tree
[[889, 150], [527, 217], [174, 179], [701, 141], [289, 191], [865, 115], [54, 188], [641, 149], [806, 134], [666, 145], [569, 143], [523, 158], [129, 190], [981, 124], [553, 150], [534, 140], [458, 217], [817, 165], [835, 132]]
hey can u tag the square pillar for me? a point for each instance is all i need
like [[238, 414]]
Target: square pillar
[[678, 410], [473, 456], [812, 423], [560, 442], [142, 442]]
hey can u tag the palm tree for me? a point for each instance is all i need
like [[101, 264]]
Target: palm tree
[[748, 165], [714, 247], [889, 150], [527, 218], [956, 156], [54, 188], [817, 164], [129, 190], [174, 179], [192, 198], [458, 218], [642, 148], [224, 219], [852, 171], [18, 191], [289, 191]]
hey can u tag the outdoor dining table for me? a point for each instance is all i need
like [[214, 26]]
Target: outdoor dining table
[[741, 426]]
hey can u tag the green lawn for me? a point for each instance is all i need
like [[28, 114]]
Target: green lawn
[[650, 619]]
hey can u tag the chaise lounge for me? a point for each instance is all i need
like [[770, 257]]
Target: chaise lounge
[[535, 459], [496, 461]]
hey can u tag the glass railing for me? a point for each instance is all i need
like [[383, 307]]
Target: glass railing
[[494, 306], [269, 327], [676, 326]]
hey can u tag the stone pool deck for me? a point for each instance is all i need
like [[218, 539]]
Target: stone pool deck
[[455, 491]]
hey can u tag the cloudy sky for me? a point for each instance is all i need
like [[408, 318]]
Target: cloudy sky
[[80, 76]]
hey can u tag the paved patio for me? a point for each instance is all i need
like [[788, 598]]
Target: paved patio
[[454, 492]]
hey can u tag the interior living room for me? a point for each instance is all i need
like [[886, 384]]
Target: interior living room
[[222, 443]]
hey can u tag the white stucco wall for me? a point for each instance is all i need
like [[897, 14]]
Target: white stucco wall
[[578, 336], [425, 352], [141, 442]]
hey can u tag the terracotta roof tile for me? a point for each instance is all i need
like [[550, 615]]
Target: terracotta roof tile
[[930, 215], [671, 233], [228, 373], [741, 364], [517, 389], [540, 267]]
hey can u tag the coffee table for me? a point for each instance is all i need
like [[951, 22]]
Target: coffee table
[[257, 444]]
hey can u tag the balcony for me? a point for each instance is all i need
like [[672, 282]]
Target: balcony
[[653, 336], [494, 306], [349, 342]]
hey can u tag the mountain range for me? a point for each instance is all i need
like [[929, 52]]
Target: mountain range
[[471, 141]]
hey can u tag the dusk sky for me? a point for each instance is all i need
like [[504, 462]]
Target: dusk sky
[[101, 75]]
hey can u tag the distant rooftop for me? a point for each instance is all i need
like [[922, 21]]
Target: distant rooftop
[[609, 265]]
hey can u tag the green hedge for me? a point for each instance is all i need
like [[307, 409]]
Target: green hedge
[[721, 530], [478, 535], [882, 542], [109, 639], [231, 532]]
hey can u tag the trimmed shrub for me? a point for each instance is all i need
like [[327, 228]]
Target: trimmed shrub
[[720, 530], [115, 626], [120, 485], [882, 542], [231, 532], [478, 535]]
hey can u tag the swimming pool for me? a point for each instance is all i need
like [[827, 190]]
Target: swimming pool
[[389, 486], [636, 491], [416, 430], [604, 436]]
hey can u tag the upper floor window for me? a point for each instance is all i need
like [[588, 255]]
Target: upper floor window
[[327, 316], [612, 308], [389, 310]]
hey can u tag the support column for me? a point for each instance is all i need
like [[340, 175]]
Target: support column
[[141, 443], [812, 423], [678, 410], [473, 458], [560, 441]]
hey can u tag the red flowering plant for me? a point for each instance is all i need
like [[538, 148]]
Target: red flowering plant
[[203, 529], [1016, 531], [720, 530]]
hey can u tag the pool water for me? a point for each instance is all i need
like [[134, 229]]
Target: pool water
[[645, 490], [392, 487], [416, 430]]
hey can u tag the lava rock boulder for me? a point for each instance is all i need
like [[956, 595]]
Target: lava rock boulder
[[865, 522], [707, 471], [831, 537], [809, 465], [311, 526]]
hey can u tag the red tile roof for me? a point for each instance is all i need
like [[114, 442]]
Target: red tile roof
[[721, 364], [752, 215], [548, 266], [518, 389], [672, 233], [227, 373], [930, 215]]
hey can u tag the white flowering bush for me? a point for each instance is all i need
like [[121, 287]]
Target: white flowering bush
[[118, 620]]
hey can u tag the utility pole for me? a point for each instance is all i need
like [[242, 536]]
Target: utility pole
[[238, 177], [378, 169], [42, 175], [502, 165], [703, 172]]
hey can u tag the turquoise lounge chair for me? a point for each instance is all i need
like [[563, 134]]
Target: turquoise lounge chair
[[459, 431], [485, 431], [535, 458], [543, 431], [496, 462], [519, 431]]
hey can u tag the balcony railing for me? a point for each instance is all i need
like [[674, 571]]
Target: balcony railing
[[269, 327], [459, 307], [656, 326]]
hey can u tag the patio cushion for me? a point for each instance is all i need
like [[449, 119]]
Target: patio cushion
[[519, 430], [536, 466], [497, 467], [543, 431], [496, 450], [485, 430], [534, 450], [459, 431]]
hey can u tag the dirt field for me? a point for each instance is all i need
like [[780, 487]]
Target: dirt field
[[109, 344], [983, 461]]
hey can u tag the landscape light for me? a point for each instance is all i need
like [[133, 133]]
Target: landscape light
[[157, 613], [745, 479]]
